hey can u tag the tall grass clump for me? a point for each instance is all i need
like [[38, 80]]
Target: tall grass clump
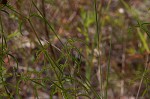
[[144, 34], [73, 49], [63, 79]]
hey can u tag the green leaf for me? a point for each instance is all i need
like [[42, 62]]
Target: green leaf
[[12, 35]]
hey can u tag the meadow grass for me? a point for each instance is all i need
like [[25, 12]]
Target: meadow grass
[[67, 72]]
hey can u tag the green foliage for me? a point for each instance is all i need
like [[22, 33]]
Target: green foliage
[[81, 67]]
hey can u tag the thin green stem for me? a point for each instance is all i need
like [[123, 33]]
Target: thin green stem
[[98, 43], [108, 69]]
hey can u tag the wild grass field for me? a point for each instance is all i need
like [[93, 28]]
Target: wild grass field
[[74, 49]]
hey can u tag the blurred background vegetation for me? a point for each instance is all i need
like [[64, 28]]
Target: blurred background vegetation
[[75, 49]]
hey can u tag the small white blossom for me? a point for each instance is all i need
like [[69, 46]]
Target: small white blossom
[[121, 10]]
